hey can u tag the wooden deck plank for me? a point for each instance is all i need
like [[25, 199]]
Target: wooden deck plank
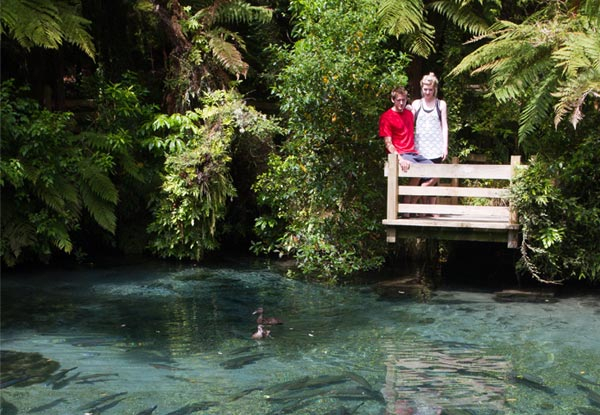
[[498, 213], [495, 193], [452, 222], [459, 171]]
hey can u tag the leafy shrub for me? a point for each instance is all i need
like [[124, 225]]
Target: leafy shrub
[[197, 183], [324, 193], [559, 206]]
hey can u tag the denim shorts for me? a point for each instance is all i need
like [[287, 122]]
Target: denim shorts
[[415, 158]]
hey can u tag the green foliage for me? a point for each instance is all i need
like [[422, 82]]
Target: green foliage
[[197, 183], [61, 177], [47, 24], [325, 190], [549, 63], [558, 200], [408, 19], [207, 49], [47, 178]]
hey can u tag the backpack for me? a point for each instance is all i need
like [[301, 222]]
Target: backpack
[[437, 107]]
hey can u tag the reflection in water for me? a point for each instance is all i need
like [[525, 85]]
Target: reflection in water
[[164, 339]]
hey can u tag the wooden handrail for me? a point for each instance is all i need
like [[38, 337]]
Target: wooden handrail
[[497, 216]]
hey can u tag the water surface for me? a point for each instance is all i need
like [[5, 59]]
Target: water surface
[[122, 340]]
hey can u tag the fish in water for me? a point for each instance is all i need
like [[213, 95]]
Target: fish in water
[[242, 361], [267, 321], [193, 407], [585, 379], [243, 393], [95, 376], [47, 406], [59, 375], [100, 401], [12, 382], [164, 367], [588, 411], [532, 381], [358, 379], [261, 333], [61, 384], [291, 384], [147, 411], [99, 409], [593, 396]]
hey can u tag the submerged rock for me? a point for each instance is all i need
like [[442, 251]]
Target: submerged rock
[[23, 369]]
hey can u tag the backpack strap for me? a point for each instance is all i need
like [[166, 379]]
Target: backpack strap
[[418, 110]]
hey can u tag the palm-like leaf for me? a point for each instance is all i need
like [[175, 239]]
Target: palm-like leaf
[[45, 24], [553, 54], [462, 14], [98, 194], [400, 17], [242, 12], [408, 19], [226, 53]]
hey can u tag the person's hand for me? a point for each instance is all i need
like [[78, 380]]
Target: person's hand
[[404, 164]]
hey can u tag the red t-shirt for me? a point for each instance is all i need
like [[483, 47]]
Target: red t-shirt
[[400, 126]]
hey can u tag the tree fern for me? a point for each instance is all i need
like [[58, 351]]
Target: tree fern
[[98, 194], [554, 54], [226, 53], [46, 24], [407, 19], [242, 12], [101, 210], [462, 14]]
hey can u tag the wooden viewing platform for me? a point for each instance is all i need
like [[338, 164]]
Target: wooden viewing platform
[[487, 216]]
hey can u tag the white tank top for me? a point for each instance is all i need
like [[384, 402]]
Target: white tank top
[[428, 133]]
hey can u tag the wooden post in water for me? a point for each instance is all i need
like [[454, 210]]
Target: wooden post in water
[[513, 234], [392, 196]]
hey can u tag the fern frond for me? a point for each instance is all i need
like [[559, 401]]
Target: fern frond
[[98, 182], [400, 17], [101, 210], [74, 29], [228, 55], [59, 235], [421, 43], [461, 14], [242, 12], [16, 236], [538, 108], [45, 24]]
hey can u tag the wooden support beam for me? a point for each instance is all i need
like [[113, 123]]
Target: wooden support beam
[[392, 195]]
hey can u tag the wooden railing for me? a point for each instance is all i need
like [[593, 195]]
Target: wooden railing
[[461, 211]]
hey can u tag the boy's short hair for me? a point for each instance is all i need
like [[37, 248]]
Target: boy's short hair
[[398, 91]]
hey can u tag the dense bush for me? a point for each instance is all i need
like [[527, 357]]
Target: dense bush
[[324, 191], [197, 184], [558, 199]]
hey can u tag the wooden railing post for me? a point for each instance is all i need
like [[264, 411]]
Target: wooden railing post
[[454, 183], [513, 219], [392, 196]]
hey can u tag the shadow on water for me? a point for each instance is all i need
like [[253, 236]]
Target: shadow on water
[[175, 339]]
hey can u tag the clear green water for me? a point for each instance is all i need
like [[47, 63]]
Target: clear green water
[[167, 335]]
